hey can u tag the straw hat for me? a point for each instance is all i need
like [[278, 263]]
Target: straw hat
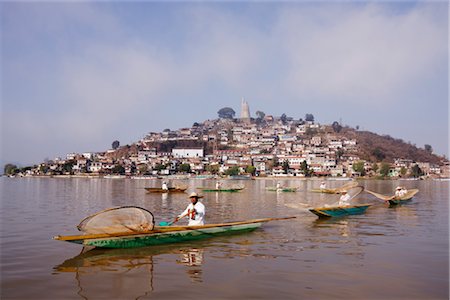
[[195, 195]]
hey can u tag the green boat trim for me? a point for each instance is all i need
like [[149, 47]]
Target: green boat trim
[[339, 211], [164, 234]]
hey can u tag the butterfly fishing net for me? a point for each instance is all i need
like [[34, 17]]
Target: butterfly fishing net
[[118, 219]]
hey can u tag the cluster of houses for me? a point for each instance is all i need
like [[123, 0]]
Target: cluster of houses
[[265, 146]]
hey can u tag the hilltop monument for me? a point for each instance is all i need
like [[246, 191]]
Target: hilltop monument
[[245, 111]]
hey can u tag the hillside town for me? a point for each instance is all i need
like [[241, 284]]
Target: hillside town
[[245, 146]]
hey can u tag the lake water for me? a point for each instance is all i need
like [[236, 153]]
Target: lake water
[[388, 253]]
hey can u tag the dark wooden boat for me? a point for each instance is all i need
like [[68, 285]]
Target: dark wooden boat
[[170, 190]]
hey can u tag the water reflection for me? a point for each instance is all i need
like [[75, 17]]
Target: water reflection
[[126, 273], [193, 259]]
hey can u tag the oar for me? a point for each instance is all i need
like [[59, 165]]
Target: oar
[[380, 196], [164, 223]]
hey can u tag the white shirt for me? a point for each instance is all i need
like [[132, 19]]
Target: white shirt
[[164, 186], [199, 216], [344, 199], [218, 185], [323, 186]]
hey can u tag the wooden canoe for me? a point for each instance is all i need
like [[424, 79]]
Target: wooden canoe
[[405, 198], [284, 189], [231, 190], [170, 190], [164, 234], [339, 211], [394, 200]]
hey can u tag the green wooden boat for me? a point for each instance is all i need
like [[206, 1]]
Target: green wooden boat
[[404, 199], [339, 211], [170, 190], [164, 234], [285, 189]]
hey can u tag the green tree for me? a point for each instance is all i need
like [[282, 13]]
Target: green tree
[[260, 114], [143, 169], [375, 167], [285, 166], [226, 113], [250, 170], [68, 166], [379, 154], [159, 167], [336, 127], [185, 168], [384, 169], [213, 169], [359, 167], [309, 117], [115, 144], [428, 148], [416, 171], [118, 169], [403, 171], [10, 169], [305, 169], [232, 171]]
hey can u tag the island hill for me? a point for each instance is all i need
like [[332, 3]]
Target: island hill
[[261, 146]]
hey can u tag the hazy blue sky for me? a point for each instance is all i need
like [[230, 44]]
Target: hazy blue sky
[[76, 76]]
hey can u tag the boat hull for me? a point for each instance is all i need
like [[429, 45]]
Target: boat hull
[[393, 202], [159, 238], [221, 190], [161, 191], [274, 189], [340, 211]]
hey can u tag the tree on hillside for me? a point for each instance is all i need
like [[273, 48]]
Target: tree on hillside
[[305, 169], [416, 171], [359, 167], [309, 117], [379, 154], [336, 126], [10, 169], [283, 118], [185, 168], [226, 113], [260, 114], [375, 167], [384, 169], [250, 170], [428, 148], [115, 144], [232, 171], [285, 166]]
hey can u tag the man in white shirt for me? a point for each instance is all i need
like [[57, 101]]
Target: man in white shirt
[[218, 185], [164, 186], [195, 211], [345, 198], [323, 185]]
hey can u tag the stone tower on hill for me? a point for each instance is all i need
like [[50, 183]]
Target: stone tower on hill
[[245, 111]]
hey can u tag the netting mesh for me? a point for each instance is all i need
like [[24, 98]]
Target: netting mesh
[[118, 219]]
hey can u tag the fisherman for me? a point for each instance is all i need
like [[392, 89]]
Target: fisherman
[[195, 211], [323, 185], [399, 192], [164, 186], [218, 185], [279, 187], [345, 198]]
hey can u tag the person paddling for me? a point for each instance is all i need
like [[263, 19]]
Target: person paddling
[[345, 198], [195, 211]]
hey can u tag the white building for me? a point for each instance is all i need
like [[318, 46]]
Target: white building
[[187, 152]]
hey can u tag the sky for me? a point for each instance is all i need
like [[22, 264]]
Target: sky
[[75, 76]]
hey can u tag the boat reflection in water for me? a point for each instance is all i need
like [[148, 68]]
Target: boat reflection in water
[[127, 273], [193, 259]]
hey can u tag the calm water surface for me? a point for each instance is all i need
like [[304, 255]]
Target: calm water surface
[[387, 253]]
